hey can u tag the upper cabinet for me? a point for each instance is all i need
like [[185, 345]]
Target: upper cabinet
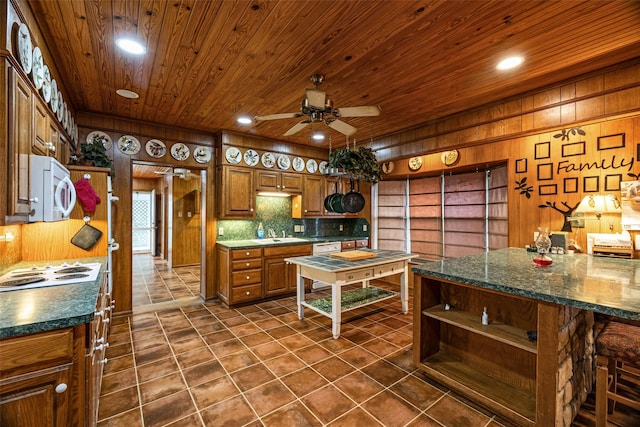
[[19, 148], [236, 193], [275, 181]]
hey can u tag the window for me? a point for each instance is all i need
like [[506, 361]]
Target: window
[[448, 215]]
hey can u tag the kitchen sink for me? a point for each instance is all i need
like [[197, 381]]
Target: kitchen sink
[[279, 240]]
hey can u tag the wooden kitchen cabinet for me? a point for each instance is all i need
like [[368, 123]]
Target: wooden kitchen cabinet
[[236, 194], [278, 182], [40, 379], [40, 144], [239, 274], [312, 203], [280, 276], [19, 148]]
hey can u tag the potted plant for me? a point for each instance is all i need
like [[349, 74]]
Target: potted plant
[[95, 154], [360, 164]]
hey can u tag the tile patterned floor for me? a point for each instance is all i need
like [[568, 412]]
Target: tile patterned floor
[[202, 364]]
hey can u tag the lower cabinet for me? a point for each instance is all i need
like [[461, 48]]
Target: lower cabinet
[[49, 378], [254, 274], [280, 276]]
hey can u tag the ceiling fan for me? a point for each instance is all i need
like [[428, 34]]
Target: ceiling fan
[[182, 173], [319, 109]]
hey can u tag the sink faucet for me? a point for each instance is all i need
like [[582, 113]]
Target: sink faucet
[[283, 234], [271, 233]]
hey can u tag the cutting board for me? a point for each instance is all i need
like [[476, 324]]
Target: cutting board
[[354, 255]]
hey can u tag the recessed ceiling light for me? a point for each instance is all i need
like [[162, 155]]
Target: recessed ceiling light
[[127, 94], [318, 136], [244, 120], [131, 46], [509, 63]]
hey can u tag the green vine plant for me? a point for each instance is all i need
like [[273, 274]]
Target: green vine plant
[[566, 133], [524, 189], [360, 163]]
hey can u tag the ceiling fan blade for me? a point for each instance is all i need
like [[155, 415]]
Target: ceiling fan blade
[[297, 128], [315, 98], [277, 116], [364, 111], [342, 127]]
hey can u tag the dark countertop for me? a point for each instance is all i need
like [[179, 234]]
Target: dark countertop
[[251, 243], [603, 285], [332, 264], [34, 310]]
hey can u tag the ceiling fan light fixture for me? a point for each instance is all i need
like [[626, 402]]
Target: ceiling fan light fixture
[[510, 62], [244, 120], [317, 136], [131, 46]]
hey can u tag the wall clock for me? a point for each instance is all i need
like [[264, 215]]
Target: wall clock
[[415, 163]]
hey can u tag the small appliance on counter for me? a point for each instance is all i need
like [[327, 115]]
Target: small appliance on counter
[[49, 275], [51, 191], [610, 245]]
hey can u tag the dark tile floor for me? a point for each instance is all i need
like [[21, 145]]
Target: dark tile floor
[[202, 364]]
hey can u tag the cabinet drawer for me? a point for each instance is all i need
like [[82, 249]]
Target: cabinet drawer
[[363, 243], [247, 277], [37, 348], [364, 274], [248, 264], [246, 293], [246, 254], [348, 245], [394, 268]]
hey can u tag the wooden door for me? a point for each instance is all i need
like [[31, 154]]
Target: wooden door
[[238, 192]]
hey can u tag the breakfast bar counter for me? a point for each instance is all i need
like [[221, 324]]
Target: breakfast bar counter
[[340, 272], [532, 362]]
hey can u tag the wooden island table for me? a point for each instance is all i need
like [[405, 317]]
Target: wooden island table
[[534, 362], [341, 272]]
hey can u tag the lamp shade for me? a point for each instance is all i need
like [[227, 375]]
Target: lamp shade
[[599, 204]]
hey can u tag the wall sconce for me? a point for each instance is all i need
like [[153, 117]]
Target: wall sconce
[[597, 205]]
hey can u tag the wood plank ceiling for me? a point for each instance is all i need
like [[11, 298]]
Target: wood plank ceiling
[[208, 62]]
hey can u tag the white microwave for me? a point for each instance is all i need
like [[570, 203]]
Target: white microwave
[[51, 191]]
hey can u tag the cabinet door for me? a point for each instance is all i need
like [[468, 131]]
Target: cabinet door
[[20, 131], [291, 183], [238, 193], [36, 399], [39, 144], [268, 181], [312, 196], [275, 276]]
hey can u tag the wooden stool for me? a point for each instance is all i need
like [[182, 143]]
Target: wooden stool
[[617, 347]]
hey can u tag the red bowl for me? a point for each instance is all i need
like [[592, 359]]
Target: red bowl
[[542, 262]]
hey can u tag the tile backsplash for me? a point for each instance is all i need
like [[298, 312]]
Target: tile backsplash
[[275, 213]]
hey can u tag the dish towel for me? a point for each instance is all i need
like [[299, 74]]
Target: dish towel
[[86, 195]]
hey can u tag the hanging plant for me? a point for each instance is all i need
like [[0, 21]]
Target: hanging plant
[[360, 164], [96, 155]]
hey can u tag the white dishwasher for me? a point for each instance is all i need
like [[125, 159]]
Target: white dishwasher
[[325, 248]]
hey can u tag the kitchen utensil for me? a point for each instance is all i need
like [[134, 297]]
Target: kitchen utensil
[[336, 203], [87, 236], [329, 199], [353, 201]]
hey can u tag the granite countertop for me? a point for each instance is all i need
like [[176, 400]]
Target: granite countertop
[[252, 243], [34, 310], [332, 264], [603, 285]]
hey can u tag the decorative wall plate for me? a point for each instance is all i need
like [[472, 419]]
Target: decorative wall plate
[[387, 167], [312, 166], [298, 164], [25, 48], [415, 163], [323, 167], [46, 85], [284, 162], [65, 117], [449, 158], [202, 154], [60, 111], [99, 137], [37, 70], [155, 148], [180, 151], [233, 155], [54, 96], [251, 157], [129, 144], [268, 160]]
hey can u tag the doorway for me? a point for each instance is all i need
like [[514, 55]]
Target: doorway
[[166, 213]]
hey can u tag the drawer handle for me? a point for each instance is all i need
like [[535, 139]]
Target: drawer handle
[[248, 293], [102, 346], [247, 253], [248, 277], [248, 264], [61, 388], [104, 361], [367, 274]]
